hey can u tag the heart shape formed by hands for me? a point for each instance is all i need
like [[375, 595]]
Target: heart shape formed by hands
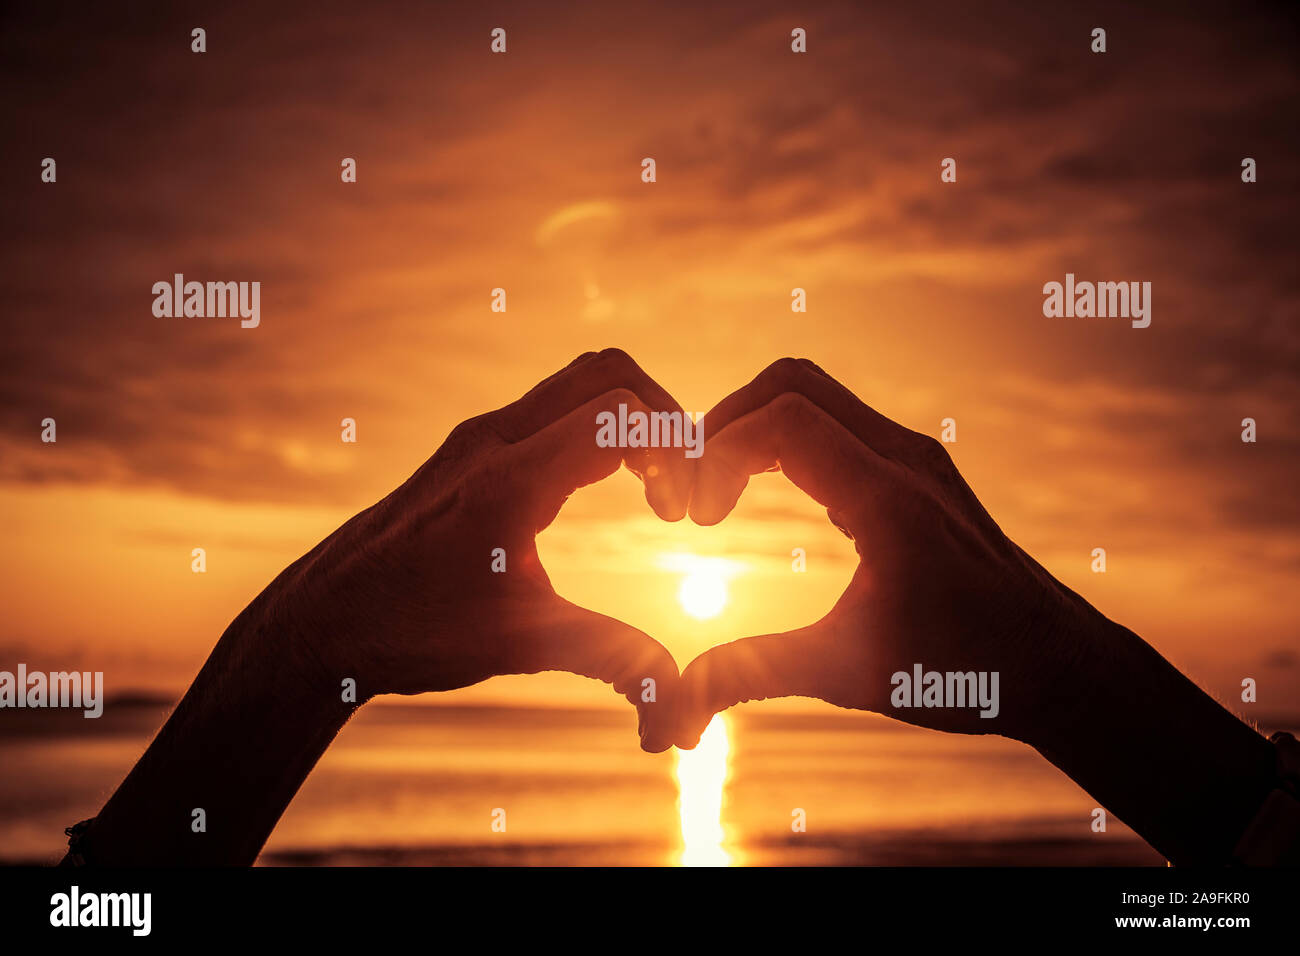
[[937, 584]]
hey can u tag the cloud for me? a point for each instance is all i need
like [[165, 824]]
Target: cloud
[[775, 171]]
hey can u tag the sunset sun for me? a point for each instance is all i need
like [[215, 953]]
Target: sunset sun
[[703, 594], [703, 590]]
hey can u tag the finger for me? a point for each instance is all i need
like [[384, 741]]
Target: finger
[[753, 668], [883, 435], [589, 375], [566, 455], [583, 642], [667, 477], [535, 409], [815, 451]]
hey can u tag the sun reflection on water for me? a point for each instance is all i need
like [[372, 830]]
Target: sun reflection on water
[[701, 786]]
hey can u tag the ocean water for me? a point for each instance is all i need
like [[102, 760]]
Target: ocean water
[[410, 784]]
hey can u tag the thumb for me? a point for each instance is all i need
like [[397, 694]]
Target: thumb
[[753, 668], [571, 638]]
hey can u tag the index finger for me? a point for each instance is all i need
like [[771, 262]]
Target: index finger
[[815, 451], [802, 377], [667, 477]]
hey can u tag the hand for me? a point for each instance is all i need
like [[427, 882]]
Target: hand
[[938, 583], [403, 597]]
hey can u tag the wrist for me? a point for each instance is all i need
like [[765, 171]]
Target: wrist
[[257, 687], [304, 657], [1085, 652], [1150, 746], [335, 608]]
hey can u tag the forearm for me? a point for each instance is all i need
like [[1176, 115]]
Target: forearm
[[238, 746], [1153, 748]]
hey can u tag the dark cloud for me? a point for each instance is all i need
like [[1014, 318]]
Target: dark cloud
[[224, 166]]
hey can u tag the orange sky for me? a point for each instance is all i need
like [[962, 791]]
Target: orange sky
[[522, 171]]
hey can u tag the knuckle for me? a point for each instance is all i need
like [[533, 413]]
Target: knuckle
[[618, 396], [467, 431], [792, 408], [784, 371], [615, 358], [932, 452]]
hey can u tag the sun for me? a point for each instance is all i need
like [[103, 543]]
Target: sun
[[703, 594], [703, 591]]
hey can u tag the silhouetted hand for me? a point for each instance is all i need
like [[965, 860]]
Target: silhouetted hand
[[402, 599], [404, 596], [938, 583]]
